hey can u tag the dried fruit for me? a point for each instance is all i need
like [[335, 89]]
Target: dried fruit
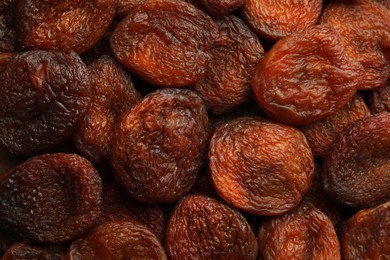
[[385, 3], [203, 228], [357, 169], [25, 251], [50, 198], [113, 93], [260, 167], [227, 83], [43, 97], [63, 25], [165, 42], [304, 233], [8, 26], [367, 234], [275, 19], [217, 8], [126, 6], [380, 100], [306, 76], [364, 26], [117, 240], [320, 134], [160, 145]]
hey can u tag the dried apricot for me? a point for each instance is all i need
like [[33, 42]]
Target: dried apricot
[[227, 83], [126, 6], [165, 42], [274, 19], [117, 240], [24, 251], [8, 38], [306, 76], [160, 145], [367, 234], [379, 100], [320, 134], [217, 8], [385, 3], [204, 228], [357, 169], [364, 26], [304, 233], [113, 93], [260, 167], [43, 96], [50, 198]]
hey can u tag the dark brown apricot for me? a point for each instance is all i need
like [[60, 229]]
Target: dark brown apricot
[[165, 42], [227, 83], [357, 169], [320, 134], [160, 146], [260, 167], [204, 228], [367, 234], [379, 100], [50, 198], [303, 233], [22, 251], [274, 19], [364, 26], [113, 93], [217, 8], [8, 37], [63, 25], [306, 76], [43, 97], [117, 240], [126, 6]]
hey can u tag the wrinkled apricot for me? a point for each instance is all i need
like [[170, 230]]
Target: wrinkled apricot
[[306, 76], [260, 167], [50, 198], [304, 233], [227, 83], [43, 97], [204, 228], [379, 100], [217, 8], [22, 251], [63, 25], [357, 169], [126, 6], [160, 145], [117, 240], [8, 39], [165, 42]]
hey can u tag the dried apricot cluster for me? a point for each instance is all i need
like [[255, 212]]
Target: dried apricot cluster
[[195, 129]]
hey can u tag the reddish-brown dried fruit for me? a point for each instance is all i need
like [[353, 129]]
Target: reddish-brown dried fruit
[[320, 134], [165, 42], [63, 25], [367, 234], [217, 8], [385, 3], [380, 100], [160, 145], [227, 83], [357, 169], [126, 6], [260, 167], [274, 19], [116, 205], [5, 58], [203, 228], [113, 93], [24, 251], [50, 198], [306, 76], [117, 240], [8, 26], [304, 233], [364, 26], [43, 97]]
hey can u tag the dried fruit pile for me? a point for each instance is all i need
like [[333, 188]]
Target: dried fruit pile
[[195, 129]]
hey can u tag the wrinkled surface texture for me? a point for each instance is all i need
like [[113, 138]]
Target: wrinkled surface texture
[[306, 76], [8, 26], [364, 26], [126, 6], [304, 233], [23, 251], [260, 167], [117, 240], [380, 100], [367, 234], [227, 83], [63, 25], [217, 8], [320, 134], [47, 94], [113, 93], [160, 145], [385, 3], [274, 19], [203, 228], [50, 198], [165, 42], [357, 170]]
